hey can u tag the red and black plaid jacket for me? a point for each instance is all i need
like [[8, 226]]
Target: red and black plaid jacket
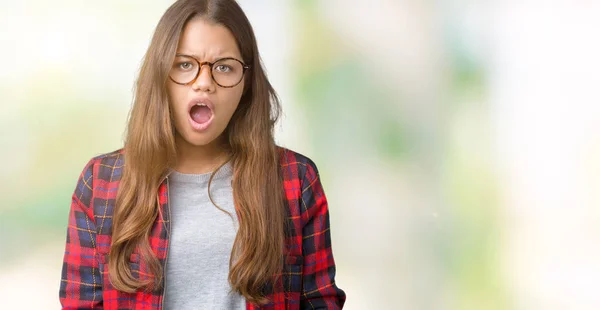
[[308, 272]]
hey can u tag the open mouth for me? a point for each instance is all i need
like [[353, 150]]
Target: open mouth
[[201, 116]]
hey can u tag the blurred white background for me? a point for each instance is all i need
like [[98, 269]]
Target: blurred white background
[[457, 141]]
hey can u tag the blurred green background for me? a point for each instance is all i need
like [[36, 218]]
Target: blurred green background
[[457, 141]]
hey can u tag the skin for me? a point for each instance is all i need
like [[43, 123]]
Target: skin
[[202, 151]]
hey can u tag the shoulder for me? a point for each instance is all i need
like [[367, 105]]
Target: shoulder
[[296, 167], [107, 158], [97, 176], [288, 157], [105, 166]]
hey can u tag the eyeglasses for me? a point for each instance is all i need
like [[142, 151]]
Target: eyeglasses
[[226, 72]]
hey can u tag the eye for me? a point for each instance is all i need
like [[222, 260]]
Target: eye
[[185, 65], [223, 68]]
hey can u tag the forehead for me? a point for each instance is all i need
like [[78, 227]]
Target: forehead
[[207, 40]]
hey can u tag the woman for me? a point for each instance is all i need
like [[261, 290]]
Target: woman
[[200, 209]]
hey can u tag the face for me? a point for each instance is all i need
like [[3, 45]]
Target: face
[[202, 109]]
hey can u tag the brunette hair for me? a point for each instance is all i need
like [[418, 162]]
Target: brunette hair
[[150, 151]]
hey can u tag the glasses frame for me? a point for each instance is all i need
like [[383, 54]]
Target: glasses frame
[[210, 64]]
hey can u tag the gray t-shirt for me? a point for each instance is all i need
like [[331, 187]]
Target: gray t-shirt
[[200, 242]]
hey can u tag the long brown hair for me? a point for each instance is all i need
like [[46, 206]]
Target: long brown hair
[[150, 151]]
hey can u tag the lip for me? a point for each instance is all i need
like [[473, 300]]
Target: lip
[[209, 104]]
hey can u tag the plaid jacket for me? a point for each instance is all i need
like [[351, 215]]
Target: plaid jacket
[[307, 274]]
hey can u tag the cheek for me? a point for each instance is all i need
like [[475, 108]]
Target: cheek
[[176, 99], [236, 101], [233, 98]]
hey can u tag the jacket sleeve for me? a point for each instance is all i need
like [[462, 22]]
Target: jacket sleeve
[[81, 283], [319, 290]]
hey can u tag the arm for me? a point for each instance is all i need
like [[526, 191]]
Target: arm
[[319, 288], [81, 283]]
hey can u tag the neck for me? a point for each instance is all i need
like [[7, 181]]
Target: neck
[[192, 159]]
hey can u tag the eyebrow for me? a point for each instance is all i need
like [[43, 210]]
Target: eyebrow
[[226, 55]]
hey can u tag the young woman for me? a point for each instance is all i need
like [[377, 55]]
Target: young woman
[[200, 209]]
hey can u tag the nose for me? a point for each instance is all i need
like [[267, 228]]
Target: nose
[[204, 81]]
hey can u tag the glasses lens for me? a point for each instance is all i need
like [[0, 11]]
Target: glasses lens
[[228, 72], [184, 69]]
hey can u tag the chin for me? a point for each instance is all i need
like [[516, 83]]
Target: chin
[[199, 141]]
